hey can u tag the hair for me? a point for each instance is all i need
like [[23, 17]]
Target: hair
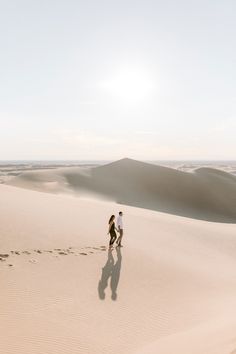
[[120, 212], [111, 218]]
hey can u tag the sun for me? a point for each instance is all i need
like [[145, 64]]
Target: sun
[[129, 85]]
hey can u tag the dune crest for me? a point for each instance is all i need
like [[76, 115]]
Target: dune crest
[[207, 193]]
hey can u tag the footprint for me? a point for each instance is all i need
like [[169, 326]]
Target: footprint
[[32, 261], [63, 252], [4, 255]]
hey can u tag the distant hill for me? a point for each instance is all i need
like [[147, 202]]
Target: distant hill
[[207, 193]]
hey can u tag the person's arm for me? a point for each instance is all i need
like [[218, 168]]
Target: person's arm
[[109, 228]]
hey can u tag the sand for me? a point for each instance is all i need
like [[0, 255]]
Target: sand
[[170, 290], [205, 193]]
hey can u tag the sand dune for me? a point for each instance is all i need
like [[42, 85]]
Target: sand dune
[[171, 289], [207, 193]]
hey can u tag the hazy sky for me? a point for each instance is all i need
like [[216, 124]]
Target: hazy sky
[[91, 79]]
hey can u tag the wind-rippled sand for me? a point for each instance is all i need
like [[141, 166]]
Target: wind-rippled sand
[[170, 289]]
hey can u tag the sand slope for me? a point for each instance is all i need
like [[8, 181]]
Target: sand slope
[[171, 289], [207, 194]]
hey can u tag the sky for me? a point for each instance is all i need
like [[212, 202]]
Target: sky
[[95, 80]]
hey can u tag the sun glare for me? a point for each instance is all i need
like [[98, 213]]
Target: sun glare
[[129, 85]]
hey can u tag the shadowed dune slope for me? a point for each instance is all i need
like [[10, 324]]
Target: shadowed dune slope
[[207, 193]]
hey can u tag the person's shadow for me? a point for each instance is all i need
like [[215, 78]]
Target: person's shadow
[[111, 270]]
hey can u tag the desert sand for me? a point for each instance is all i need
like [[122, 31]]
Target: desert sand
[[205, 193], [170, 290]]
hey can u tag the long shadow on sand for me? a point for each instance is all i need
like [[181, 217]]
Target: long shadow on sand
[[110, 271]]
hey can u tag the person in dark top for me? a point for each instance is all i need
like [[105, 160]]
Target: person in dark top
[[112, 230]]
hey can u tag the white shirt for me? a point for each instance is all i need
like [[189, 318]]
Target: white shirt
[[120, 222]]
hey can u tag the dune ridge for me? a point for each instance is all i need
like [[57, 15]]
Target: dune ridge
[[206, 193]]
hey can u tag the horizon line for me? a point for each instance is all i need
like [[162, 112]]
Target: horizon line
[[108, 160]]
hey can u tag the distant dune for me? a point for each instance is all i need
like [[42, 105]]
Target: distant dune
[[206, 193]]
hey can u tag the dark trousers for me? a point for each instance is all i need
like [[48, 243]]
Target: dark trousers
[[113, 238]]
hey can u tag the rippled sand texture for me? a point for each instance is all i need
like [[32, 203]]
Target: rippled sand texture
[[170, 290]]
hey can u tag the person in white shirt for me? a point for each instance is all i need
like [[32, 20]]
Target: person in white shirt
[[120, 229]]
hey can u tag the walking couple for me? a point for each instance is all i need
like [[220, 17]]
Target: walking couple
[[112, 230]]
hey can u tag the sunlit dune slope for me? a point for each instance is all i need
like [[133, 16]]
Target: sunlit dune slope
[[170, 289], [206, 193]]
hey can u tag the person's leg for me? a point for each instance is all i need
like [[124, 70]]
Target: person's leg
[[120, 237], [113, 238]]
